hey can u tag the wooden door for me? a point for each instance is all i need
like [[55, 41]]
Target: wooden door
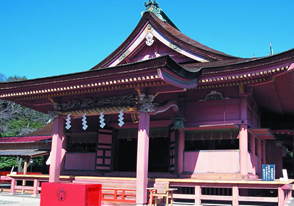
[[104, 153]]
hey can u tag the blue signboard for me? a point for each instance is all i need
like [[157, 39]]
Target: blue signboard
[[268, 172]]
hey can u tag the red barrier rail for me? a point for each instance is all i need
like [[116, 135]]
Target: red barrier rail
[[119, 195]]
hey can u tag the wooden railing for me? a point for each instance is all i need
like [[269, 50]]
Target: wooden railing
[[5, 179], [283, 188], [36, 179], [196, 190], [126, 195]]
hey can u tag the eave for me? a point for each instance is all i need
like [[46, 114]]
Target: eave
[[130, 76], [255, 70]]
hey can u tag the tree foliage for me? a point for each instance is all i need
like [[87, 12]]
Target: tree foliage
[[16, 120], [8, 162]]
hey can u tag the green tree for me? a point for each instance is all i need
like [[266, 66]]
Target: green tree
[[16, 120], [7, 162]]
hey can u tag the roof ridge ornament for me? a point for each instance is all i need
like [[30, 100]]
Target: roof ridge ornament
[[152, 6]]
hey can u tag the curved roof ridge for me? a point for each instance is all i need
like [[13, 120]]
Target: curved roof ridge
[[186, 39]]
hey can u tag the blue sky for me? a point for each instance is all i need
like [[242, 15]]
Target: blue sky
[[54, 37]]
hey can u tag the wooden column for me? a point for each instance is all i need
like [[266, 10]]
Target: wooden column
[[243, 146], [259, 156], [56, 149], [252, 148], [181, 148], [243, 138], [142, 158], [264, 151]]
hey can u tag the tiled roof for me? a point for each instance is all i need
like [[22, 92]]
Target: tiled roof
[[239, 64], [39, 135], [47, 130], [23, 153], [187, 41], [27, 139]]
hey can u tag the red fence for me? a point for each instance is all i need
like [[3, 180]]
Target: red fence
[[119, 195]]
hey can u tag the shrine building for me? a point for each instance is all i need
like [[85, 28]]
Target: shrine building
[[163, 105]]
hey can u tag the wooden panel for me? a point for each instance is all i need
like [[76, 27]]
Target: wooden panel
[[212, 111], [104, 150], [220, 161]]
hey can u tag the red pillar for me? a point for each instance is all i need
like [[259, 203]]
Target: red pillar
[[142, 158], [252, 148], [259, 156], [243, 145], [243, 138], [56, 149], [181, 148]]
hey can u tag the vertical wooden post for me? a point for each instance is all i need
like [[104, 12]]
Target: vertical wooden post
[[252, 146], [235, 194], [181, 148], [35, 189], [243, 138], [259, 156], [281, 196], [142, 158], [12, 186], [197, 195], [243, 146], [25, 169], [56, 148]]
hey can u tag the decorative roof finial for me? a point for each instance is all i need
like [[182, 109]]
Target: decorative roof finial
[[150, 3], [152, 6]]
